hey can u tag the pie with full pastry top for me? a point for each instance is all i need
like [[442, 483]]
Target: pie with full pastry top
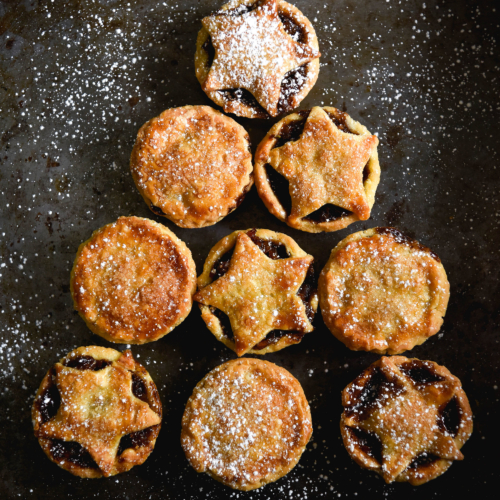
[[97, 412], [133, 281], [257, 292], [318, 170], [257, 58], [405, 419], [383, 292], [192, 165], [246, 424]]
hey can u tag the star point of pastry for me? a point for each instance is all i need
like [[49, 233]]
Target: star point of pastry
[[254, 52], [97, 409], [407, 424], [259, 294], [325, 166]]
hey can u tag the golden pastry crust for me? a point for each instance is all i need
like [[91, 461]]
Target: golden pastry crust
[[327, 158], [97, 412], [405, 419], [224, 67], [383, 292], [133, 281], [264, 282], [192, 165], [246, 424]]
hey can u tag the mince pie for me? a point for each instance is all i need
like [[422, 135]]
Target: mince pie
[[257, 292], [97, 412], [405, 419], [246, 424], [383, 292], [133, 281], [192, 165], [318, 170], [257, 58]]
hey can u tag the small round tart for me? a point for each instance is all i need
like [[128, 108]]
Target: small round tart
[[246, 424], [192, 165], [405, 419], [257, 292], [133, 281], [383, 292], [318, 170], [257, 58], [97, 412]]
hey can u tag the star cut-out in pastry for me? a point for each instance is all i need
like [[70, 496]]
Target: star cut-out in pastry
[[254, 52], [259, 294], [97, 409], [407, 424], [325, 166]]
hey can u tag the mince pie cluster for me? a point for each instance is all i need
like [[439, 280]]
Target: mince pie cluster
[[98, 413]]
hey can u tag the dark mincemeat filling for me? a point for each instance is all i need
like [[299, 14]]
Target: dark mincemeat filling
[[450, 417], [73, 452], [367, 394], [280, 186], [274, 251], [368, 442], [293, 81], [156, 210], [423, 460], [420, 373], [406, 240]]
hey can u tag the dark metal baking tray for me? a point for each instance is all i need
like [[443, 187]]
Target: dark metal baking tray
[[78, 78]]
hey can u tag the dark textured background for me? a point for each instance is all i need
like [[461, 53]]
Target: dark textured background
[[78, 78]]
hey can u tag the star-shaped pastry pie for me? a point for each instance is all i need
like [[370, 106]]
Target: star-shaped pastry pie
[[325, 166], [97, 409], [404, 413], [259, 294], [254, 52]]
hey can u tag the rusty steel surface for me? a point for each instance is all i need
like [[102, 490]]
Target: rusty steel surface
[[78, 79]]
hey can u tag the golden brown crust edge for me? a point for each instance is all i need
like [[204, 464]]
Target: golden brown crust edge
[[273, 204], [217, 251], [240, 108], [188, 285], [434, 319], [275, 377], [134, 457]]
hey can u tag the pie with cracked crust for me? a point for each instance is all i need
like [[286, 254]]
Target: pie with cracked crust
[[383, 292], [192, 165], [246, 424], [257, 292], [257, 58], [318, 170], [97, 412], [405, 419], [133, 281]]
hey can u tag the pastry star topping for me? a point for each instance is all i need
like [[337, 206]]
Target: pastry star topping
[[254, 52], [259, 294], [407, 423], [325, 166], [97, 409]]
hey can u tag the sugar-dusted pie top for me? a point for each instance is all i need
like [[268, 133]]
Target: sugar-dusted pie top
[[192, 164], [87, 403], [405, 419], [253, 51], [383, 292], [246, 423], [258, 294], [133, 281]]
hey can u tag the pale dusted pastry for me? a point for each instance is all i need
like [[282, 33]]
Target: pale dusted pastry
[[318, 170], [257, 58], [383, 292], [257, 292], [405, 419], [192, 165], [133, 281], [97, 412], [246, 424]]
